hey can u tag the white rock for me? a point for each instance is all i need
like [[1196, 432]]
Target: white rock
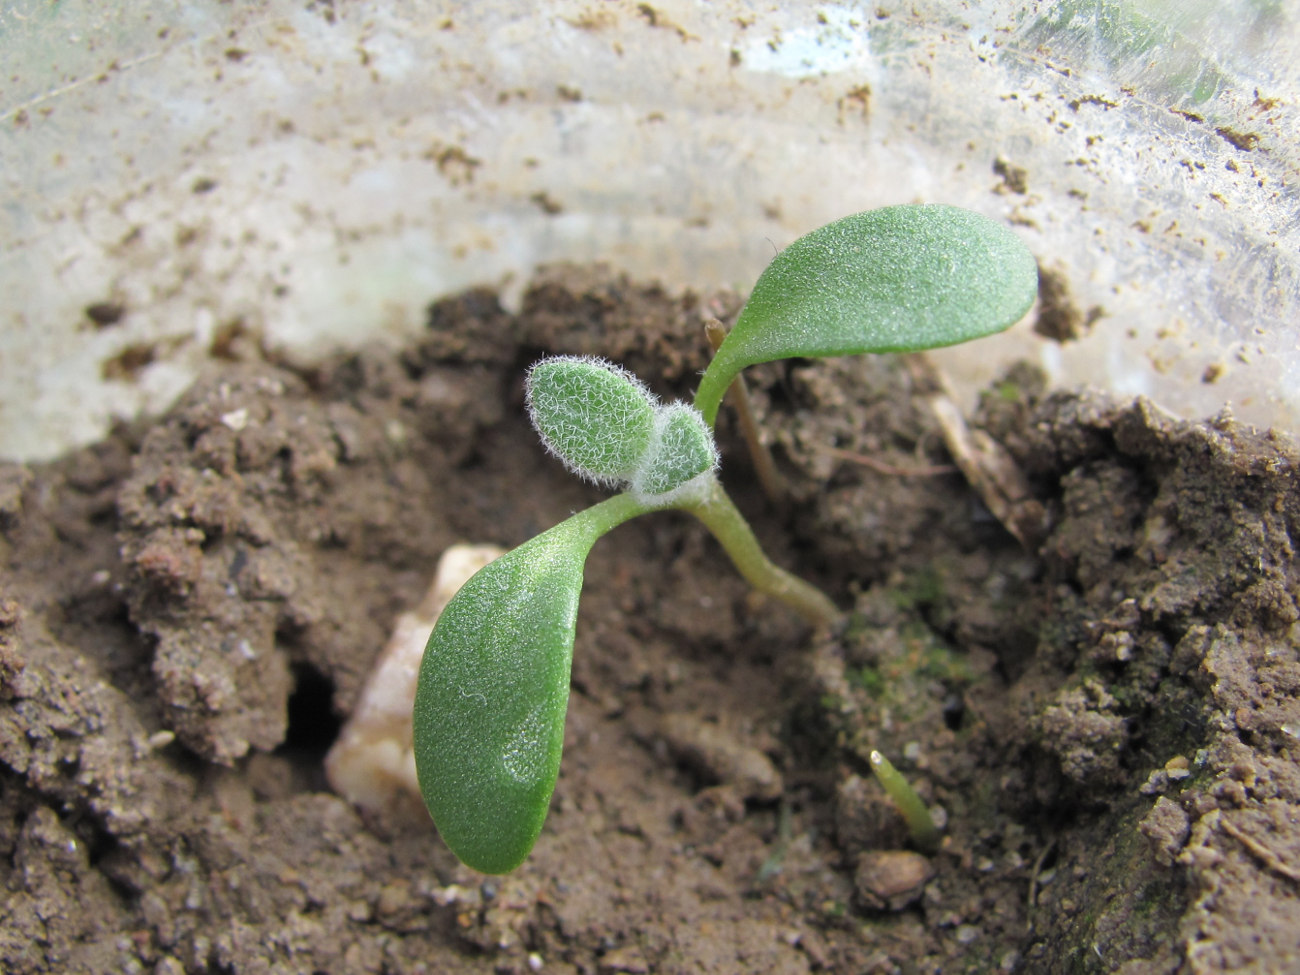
[[372, 764]]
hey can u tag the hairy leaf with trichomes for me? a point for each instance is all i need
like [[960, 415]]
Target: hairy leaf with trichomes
[[595, 416], [606, 426], [681, 459], [493, 686]]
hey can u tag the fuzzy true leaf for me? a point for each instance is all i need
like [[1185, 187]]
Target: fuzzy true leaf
[[897, 279], [682, 449], [591, 414]]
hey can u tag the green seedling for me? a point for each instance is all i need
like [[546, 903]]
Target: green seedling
[[915, 814], [494, 682]]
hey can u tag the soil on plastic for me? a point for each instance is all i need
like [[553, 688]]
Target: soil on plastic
[[1107, 723]]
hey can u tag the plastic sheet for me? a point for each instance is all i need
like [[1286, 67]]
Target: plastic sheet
[[314, 173]]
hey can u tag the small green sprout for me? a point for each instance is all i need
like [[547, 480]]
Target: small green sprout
[[915, 814], [494, 683]]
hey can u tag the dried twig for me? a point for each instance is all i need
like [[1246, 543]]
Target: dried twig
[[888, 469], [1259, 851], [986, 464], [1034, 873]]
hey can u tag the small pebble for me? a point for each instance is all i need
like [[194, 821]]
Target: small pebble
[[236, 419], [891, 879], [721, 756], [161, 739]]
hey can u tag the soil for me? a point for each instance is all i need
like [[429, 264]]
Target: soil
[[1106, 720]]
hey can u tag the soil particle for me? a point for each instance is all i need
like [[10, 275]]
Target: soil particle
[[1107, 722], [719, 755], [1080, 727], [1167, 828], [891, 879], [1059, 318]]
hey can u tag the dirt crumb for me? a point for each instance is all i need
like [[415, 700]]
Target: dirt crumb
[[1015, 179], [1059, 318]]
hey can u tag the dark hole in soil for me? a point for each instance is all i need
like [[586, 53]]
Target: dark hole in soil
[[313, 725], [954, 710]]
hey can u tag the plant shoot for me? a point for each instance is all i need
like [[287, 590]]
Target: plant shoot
[[494, 681]]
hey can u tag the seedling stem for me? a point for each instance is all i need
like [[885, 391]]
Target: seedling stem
[[729, 527]]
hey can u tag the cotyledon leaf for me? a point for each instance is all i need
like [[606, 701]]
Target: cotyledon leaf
[[494, 687], [896, 279]]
